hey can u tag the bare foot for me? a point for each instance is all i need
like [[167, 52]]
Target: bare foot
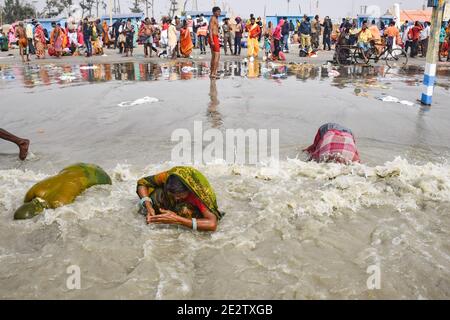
[[23, 147]]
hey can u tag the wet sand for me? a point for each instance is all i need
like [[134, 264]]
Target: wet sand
[[309, 231]]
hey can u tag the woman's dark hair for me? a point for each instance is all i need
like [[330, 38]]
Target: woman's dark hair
[[175, 185]]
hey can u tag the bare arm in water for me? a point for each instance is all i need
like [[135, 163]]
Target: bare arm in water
[[143, 192], [207, 223]]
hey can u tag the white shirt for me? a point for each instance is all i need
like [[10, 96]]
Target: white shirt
[[425, 33], [405, 34]]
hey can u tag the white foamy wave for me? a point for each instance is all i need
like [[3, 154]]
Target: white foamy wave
[[294, 227], [303, 188]]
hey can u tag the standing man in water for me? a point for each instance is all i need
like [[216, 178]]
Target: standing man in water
[[23, 144], [214, 42]]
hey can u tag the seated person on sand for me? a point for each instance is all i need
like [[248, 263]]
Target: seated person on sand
[[333, 143], [61, 189], [181, 196]]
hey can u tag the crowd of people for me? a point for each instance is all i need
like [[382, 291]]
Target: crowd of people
[[413, 37], [175, 37]]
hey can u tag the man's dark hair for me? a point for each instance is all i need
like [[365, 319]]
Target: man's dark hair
[[373, 22], [365, 21], [215, 9], [392, 23]]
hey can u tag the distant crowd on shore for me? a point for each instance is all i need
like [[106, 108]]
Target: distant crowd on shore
[[175, 37]]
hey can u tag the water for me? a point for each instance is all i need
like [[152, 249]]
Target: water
[[309, 231]]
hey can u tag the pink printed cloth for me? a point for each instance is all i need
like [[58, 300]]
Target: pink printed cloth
[[334, 146]]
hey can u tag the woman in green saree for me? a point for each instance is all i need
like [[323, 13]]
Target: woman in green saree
[[181, 196]]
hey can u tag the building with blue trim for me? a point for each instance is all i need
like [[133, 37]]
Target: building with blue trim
[[386, 19], [46, 23], [135, 17], [206, 15], [291, 18]]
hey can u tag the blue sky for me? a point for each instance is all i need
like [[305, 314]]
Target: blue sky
[[333, 8]]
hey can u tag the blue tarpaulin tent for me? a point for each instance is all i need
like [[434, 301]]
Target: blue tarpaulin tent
[[207, 15]]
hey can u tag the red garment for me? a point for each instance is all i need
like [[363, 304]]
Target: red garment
[[193, 200], [39, 33], [254, 31], [335, 145], [216, 45], [414, 33]]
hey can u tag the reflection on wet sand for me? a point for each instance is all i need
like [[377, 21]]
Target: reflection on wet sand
[[50, 74], [214, 116]]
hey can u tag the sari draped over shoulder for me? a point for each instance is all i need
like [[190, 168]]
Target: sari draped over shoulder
[[40, 41], [192, 179], [186, 44], [252, 41], [105, 27]]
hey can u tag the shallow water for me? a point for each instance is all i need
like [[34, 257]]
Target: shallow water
[[307, 231]]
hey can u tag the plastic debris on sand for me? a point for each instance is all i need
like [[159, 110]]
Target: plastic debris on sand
[[144, 100], [188, 69], [395, 100], [67, 77]]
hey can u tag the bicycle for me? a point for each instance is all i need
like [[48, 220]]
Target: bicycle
[[394, 58]]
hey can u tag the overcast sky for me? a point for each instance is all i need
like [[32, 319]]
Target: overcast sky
[[333, 8]]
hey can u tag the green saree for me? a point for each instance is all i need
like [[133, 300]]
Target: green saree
[[192, 178]]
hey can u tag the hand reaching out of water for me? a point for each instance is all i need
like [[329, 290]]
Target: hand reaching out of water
[[167, 217], [150, 213]]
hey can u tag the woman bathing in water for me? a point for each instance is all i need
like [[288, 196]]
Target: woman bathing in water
[[181, 196], [334, 143]]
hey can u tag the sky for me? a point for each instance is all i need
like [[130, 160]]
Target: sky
[[333, 8]]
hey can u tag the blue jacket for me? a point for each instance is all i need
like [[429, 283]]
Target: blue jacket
[[305, 27]]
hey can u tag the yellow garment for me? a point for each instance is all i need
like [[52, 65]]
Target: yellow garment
[[365, 36], [253, 70], [253, 48], [252, 43], [61, 189], [306, 40]]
